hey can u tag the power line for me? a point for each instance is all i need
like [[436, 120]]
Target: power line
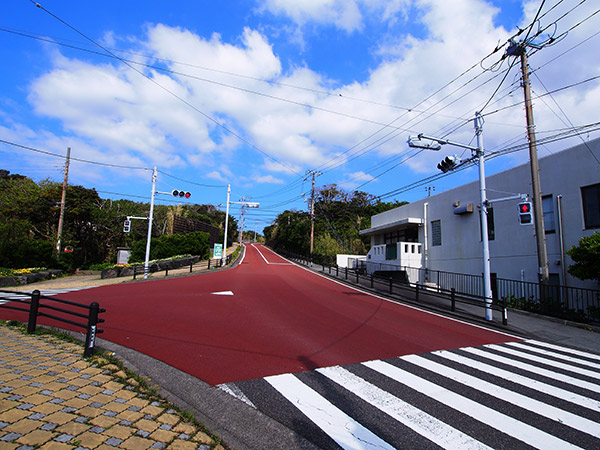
[[156, 83], [87, 161]]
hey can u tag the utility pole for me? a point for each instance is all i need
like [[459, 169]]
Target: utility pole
[[224, 261], [313, 173], [63, 198], [242, 211], [520, 49]]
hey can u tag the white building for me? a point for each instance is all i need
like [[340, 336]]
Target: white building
[[442, 232]]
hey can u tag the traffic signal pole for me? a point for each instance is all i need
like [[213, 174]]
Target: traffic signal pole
[[485, 244], [450, 164], [150, 215]]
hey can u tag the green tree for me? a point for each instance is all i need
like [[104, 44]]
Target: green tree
[[339, 218], [586, 258]]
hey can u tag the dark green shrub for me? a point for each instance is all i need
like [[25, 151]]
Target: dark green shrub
[[195, 243]]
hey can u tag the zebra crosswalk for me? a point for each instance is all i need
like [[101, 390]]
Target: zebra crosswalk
[[6, 297], [527, 394]]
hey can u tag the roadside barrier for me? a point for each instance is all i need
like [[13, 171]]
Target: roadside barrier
[[34, 307], [406, 291]]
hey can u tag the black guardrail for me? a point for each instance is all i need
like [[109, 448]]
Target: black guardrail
[[400, 287], [32, 305], [417, 291]]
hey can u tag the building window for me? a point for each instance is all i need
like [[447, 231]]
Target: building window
[[391, 251], [548, 209], [490, 225], [436, 233], [403, 235], [590, 197]]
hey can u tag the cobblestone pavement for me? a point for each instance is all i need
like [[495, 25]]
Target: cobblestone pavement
[[53, 398]]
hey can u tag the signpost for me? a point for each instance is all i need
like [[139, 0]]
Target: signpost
[[218, 251]]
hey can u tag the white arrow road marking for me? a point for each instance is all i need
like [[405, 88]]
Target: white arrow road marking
[[223, 293]]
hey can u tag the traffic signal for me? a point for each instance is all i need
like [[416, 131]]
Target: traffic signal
[[185, 194], [525, 213], [127, 226], [448, 163]]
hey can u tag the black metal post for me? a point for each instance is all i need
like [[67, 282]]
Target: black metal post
[[134, 271], [33, 311], [346, 268], [191, 264], [337, 271], [166, 271], [417, 292], [208, 263], [357, 277], [453, 298], [371, 281], [90, 338]]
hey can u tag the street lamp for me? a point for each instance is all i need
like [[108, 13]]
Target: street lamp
[[451, 163]]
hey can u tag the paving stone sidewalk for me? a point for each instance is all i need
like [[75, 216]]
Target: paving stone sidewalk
[[52, 398]]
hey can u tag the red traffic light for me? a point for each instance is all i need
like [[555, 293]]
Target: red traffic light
[[177, 193], [525, 215]]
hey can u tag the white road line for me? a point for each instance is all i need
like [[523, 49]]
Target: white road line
[[522, 401], [270, 263], [565, 349], [236, 392], [519, 430], [343, 429], [530, 383], [26, 295], [535, 369], [539, 359], [419, 421], [540, 351]]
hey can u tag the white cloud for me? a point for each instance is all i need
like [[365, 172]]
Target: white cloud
[[113, 108], [268, 179], [344, 14]]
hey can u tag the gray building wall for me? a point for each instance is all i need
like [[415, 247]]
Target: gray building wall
[[513, 250]]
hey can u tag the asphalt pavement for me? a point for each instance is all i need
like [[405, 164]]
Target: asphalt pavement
[[50, 397]]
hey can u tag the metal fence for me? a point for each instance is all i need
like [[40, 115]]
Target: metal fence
[[403, 289], [31, 304], [570, 303]]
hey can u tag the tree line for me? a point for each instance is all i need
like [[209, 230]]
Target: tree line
[[339, 216], [93, 226]]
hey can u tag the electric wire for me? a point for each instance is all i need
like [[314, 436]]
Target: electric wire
[[170, 92]]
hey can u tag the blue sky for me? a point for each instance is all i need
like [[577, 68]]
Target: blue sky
[[256, 93]]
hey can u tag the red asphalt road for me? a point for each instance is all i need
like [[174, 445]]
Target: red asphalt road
[[281, 318]]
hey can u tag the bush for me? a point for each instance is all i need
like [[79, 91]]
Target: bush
[[195, 243], [586, 258], [27, 253]]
